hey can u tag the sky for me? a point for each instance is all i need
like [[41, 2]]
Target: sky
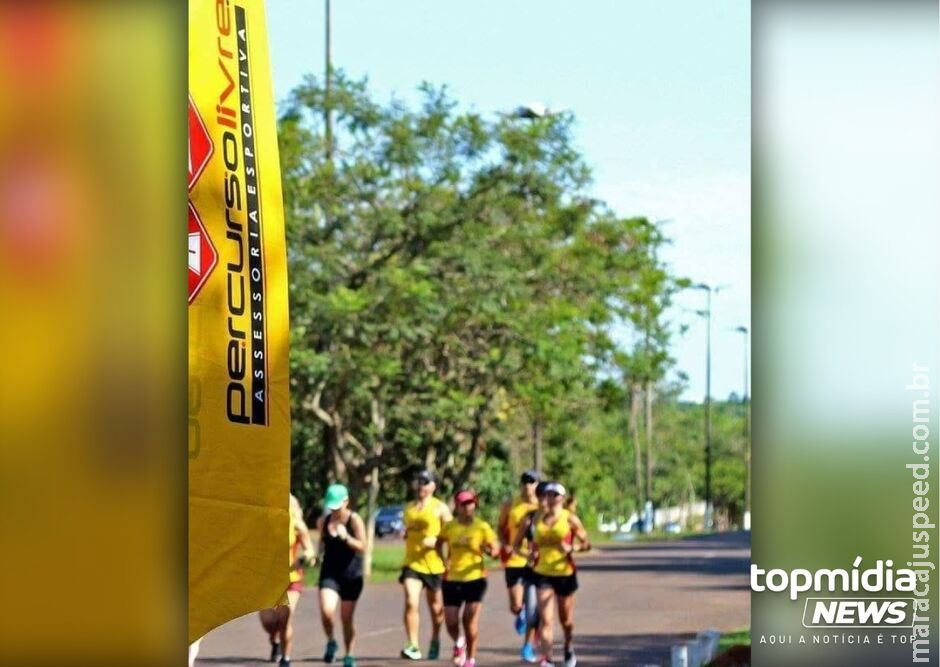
[[660, 90]]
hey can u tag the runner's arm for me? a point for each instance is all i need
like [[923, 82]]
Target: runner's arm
[[580, 534], [503, 525], [357, 541], [490, 544], [300, 528], [439, 547], [445, 514], [318, 550], [520, 535]]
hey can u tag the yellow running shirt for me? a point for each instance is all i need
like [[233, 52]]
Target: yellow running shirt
[[465, 548], [517, 512], [296, 574], [421, 523], [552, 559]]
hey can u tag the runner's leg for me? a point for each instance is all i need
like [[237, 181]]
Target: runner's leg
[[531, 609], [516, 592], [546, 620], [347, 609], [566, 617], [287, 625], [270, 623], [471, 627], [436, 607], [452, 620], [412, 589], [329, 599]]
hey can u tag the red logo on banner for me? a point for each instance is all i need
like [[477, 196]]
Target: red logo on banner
[[200, 145], [202, 255]]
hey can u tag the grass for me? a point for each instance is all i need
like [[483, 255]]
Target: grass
[[386, 561], [742, 636], [389, 554], [386, 564], [600, 539]]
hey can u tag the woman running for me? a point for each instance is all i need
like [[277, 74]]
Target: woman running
[[278, 621], [342, 541], [423, 566], [467, 538], [518, 573], [554, 532]]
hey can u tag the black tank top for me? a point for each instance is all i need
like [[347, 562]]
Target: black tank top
[[339, 559]]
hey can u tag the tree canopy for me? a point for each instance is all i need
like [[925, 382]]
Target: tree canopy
[[456, 293]]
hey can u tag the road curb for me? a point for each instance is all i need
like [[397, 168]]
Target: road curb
[[697, 652]]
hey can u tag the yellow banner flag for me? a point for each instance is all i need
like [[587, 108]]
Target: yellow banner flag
[[239, 412]]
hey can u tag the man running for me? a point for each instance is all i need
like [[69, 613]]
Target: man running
[[467, 538], [423, 566], [517, 571], [342, 542], [278, 621], [555, 531]]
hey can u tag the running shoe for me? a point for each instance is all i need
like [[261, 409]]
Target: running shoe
[[471, 662], [434, 650], [275, 651], [571, 660], [285, 662], [520, 623], [411, 652], [546, 663], [349, 661], [528, 653], [331, 648], [460, 653]]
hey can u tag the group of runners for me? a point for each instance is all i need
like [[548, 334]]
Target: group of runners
[[445, 560]]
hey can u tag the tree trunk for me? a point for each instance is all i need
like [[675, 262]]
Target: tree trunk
[[378, 448], [476, 448], [637, 446], [537, 444], [337, 466], [370, 520], [649, 440], [430, 457]]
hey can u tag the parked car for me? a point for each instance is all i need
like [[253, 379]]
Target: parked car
[[389, 520]]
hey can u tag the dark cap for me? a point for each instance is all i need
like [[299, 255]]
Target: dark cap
[[529, 476], [540, 489], [425, 477]]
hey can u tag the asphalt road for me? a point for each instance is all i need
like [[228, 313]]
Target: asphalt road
[[635, 601]]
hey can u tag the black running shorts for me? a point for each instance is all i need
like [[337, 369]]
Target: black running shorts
[[349, 588], [432, 581], [563, 586], [516, 576], [457, 593]]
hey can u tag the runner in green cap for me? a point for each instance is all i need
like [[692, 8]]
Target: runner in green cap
[[342, 541]]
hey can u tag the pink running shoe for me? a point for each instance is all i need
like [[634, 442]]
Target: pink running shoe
[[460, 653]]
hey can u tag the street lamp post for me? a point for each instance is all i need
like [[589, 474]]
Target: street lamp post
[[747, 435], [532, 112], [328, 82], [709, 519]]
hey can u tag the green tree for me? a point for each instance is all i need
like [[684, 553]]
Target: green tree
[[447, 273]]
